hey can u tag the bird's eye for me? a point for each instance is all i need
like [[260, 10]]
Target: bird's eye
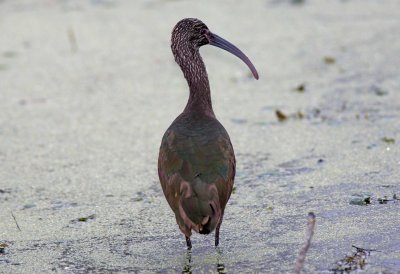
[[203, 31]]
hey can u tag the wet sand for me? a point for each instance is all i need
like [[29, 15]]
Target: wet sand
[[88, 89]]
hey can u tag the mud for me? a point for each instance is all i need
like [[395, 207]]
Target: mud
[[88, 88]]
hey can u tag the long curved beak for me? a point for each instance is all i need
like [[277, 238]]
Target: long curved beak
[[217, 41]]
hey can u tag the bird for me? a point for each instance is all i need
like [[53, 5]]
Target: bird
[[196, 163]]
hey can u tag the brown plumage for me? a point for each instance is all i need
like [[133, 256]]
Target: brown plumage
[[196, 164]]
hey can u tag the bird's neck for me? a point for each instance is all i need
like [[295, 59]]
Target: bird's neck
[[196, 76]]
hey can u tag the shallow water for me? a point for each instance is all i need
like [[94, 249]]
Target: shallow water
[[88, 89]]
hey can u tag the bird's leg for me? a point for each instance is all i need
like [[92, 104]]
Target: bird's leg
[[188, 243], [217, 229]]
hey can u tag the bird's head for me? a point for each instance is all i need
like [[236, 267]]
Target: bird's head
[[190, 34]]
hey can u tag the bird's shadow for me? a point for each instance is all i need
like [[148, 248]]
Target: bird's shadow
[[188, 264]]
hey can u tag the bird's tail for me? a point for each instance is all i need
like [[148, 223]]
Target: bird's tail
[[199, 207]]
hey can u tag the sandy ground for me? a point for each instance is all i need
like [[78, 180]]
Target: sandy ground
[[87, 89]]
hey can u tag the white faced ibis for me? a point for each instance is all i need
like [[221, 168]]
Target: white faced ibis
[[196, 164]]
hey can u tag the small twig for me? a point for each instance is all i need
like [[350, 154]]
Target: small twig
[[72, 40], [15, 219], [303, 251], [363, 249]]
